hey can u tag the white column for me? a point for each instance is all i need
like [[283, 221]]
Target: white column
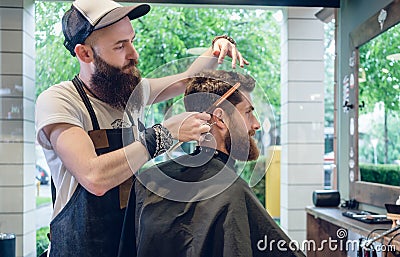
[[302, 116], [17, 130]]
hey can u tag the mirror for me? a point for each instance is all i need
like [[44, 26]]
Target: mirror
[[376, 45], [379, 109]]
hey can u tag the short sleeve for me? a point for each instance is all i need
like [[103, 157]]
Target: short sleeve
[[55, 106], [146, 91]]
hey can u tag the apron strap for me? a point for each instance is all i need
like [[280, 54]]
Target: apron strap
[[78, 83], [125, 187], [53, 191]]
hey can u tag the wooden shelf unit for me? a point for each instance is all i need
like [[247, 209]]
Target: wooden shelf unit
[[324, 224]]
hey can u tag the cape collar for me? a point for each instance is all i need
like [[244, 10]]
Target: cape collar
[[223, 157]]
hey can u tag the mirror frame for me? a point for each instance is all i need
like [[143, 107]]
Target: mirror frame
[[367, 192]]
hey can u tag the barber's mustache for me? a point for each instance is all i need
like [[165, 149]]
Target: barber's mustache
[[132, 63], [252, 132]]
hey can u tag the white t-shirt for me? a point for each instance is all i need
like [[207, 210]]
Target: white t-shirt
[[61, 103]]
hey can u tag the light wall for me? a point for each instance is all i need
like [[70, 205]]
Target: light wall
[[302, 116], [17, 130]]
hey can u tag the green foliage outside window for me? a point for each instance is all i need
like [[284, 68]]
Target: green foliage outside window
[[164, 35], [42, 241], [247, 169], [388, 174]]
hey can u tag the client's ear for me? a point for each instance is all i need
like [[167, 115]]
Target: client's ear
[[218, 118]]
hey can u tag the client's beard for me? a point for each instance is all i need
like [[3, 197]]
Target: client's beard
[[112, 85], [239, 150]]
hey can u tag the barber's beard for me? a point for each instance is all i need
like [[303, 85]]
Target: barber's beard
[[243, 148], [112, 85]]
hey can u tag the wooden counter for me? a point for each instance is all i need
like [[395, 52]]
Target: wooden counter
[[329, 224]]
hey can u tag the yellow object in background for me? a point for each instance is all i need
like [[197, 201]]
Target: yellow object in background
[[273, 182]]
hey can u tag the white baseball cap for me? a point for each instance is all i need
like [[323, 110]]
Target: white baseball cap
[[86, 16]]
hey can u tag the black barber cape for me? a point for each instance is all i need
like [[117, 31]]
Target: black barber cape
[[221, 218]]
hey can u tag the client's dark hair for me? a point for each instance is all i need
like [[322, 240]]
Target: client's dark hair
[[212, 84]]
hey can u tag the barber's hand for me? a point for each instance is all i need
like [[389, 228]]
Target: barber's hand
[[188, 126], [222, 47]]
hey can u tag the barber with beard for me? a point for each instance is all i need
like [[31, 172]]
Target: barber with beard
[[81, 123]]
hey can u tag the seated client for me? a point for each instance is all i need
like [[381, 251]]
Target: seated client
[[196, 205]]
